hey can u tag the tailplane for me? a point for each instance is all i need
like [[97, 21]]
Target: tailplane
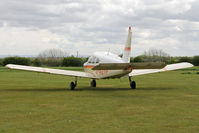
[[127, 48]]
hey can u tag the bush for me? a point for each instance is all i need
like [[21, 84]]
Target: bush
[[72, 61], [16, 60], [196, 60], [84, 60], [171, 60], [1, 62], [138, 59], [186, 59], [36, 62], [51, 62], [131, 59]]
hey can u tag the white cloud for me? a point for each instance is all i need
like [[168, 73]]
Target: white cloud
[[28, 27], [22, 41], [171, 6]]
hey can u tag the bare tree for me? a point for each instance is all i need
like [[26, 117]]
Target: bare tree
[[156, 55], [156, 52], [52, 57]]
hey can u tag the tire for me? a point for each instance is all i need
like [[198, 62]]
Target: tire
[[93, 83], [133, 85], [72, 85]]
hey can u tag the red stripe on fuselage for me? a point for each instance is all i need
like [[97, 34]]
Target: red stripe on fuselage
[[89, 66]]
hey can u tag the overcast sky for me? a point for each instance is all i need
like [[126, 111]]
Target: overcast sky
[[29, 27]]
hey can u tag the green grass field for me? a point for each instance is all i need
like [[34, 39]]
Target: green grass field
[[37, 102]]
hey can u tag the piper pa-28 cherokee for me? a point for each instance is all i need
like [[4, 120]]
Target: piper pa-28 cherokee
[[104, 65]]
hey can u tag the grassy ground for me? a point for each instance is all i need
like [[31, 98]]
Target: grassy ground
[[36, 102]]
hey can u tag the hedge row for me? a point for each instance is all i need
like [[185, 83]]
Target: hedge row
[[1, 62], [67, 61], [73, 61], [16, 60], [168, 60]]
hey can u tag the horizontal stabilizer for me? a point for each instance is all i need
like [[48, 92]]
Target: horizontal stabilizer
[[124, 66], [112, 66], [148, 65]]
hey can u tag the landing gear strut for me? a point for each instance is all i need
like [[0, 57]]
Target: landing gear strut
[[93, 83], [73, 85], [132, 83]]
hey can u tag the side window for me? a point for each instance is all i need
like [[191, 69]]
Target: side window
[[97, 60], [93, 60]]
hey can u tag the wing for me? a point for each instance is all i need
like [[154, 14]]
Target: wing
[[51, 71], [166, 68]]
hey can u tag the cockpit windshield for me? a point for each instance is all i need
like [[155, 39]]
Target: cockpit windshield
[[93, 60]]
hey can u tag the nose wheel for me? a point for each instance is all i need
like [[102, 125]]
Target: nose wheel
[[93, 83], [132, 83]]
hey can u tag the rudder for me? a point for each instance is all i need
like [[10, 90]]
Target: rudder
[[127, 48]]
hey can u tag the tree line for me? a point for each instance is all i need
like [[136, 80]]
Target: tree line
[[158, 55], [66, 61], [79, 61], [55, 57], [167, 60]]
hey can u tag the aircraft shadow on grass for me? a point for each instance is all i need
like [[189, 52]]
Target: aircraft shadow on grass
[[122, 89], [85, 89]]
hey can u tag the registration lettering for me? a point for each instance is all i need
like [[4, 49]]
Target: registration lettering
[[101, 72]]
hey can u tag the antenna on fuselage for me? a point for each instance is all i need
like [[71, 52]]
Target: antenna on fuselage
[[77, 53]]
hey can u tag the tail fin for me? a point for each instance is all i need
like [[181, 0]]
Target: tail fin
[[127, 48]]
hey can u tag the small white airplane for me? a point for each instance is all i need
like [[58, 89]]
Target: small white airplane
[[104, 65]]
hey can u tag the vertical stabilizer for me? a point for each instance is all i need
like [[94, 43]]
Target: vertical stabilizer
[[127, 48]]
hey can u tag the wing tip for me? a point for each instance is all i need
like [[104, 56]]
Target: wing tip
[[8, 65], [188, 64]]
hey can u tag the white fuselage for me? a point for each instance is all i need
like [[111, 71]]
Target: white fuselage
[[105, 57]]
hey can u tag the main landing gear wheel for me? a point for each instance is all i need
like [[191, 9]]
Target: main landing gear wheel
[[132, 83], [73, 85], [93, 83]]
